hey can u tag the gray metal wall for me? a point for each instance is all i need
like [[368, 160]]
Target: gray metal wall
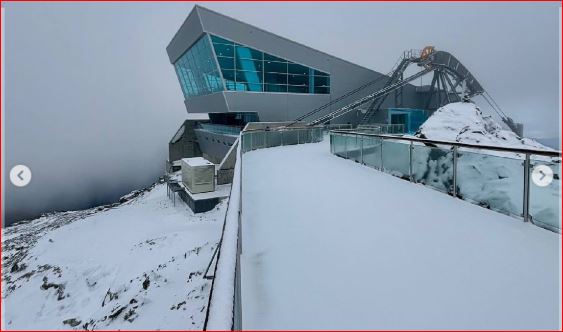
[[345, 76], [187, 145]]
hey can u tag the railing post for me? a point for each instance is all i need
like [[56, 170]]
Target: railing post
[[281, 133], [346, 145], [298, 136], [454, 176], [381, 153], [411, 177], [526, 203], [361, 150], [250, 135]]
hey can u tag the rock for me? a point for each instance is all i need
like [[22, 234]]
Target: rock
[[146, 283], [116, 313], [72, 322]]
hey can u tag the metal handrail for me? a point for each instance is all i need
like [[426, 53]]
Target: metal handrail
[[455, 148], [546, 153], [305, 127]]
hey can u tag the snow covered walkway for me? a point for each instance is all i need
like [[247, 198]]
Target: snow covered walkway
[[331, 244]]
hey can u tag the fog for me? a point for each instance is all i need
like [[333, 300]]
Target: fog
[[91, 99]]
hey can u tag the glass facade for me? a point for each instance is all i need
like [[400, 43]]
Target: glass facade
[[243, 69], [197, 71], [247, 69]]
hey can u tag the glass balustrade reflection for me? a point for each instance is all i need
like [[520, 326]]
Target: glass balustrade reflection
[[396, 158], [493, 181], [433, 166], [372, 152], [353, 146]]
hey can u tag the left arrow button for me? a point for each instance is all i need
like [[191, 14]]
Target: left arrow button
[[20, 175]]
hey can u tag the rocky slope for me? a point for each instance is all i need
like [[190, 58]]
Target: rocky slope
[[136, 264]]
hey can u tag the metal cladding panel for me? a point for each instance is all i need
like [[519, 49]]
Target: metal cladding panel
[[213, 145], [212, 103], [274, 106], [189, 33]]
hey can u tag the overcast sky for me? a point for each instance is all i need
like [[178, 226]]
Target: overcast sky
[[91, 100]]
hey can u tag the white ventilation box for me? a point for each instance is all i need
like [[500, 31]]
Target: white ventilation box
[[198, 175]]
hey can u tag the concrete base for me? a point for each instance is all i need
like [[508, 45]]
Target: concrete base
[[204, 202]]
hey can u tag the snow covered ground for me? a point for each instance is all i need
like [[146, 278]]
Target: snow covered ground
[[330, 244], [133, 265]]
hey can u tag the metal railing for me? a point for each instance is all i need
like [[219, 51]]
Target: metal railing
[[494, 177], [382, 128], [221, 129], [337, 126], [224, 308], [267, 138]]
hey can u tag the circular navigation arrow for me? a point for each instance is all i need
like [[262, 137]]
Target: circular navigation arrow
[[542, 175], [20, 175]]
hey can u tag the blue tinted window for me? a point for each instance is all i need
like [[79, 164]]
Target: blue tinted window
[[247, 69], [252, 65], [275, 67], [196, 70], [226, 63], [298, 80], [320, 73], [243, 52], [275, 78], [294, 68], [220, 40], [229, 75], [275, 88], [249, 77], [224, 50]]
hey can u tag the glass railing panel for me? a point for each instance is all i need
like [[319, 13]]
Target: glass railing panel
[[246, 144], [339, 148], [318, 132], [545, 195], [372, 152], [258, 140], [290, 137], [273, 138], [356, 154], [353, 147], [433, 166], [304, 136], [492, 181], [396, 158]]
